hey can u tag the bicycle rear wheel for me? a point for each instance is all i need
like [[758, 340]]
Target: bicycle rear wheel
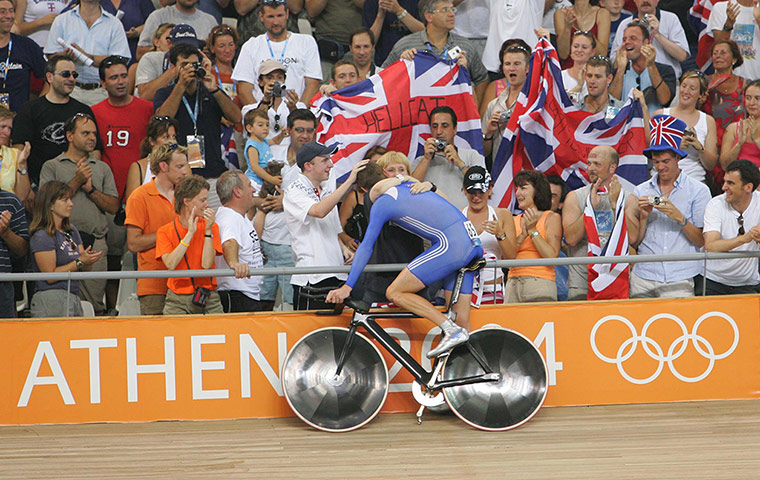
[[326, 401], [511, 401]]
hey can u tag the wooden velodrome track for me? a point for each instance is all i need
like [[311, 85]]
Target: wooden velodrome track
[[698, 440]]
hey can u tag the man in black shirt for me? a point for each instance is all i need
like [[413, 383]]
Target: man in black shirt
[[40, 121], [198, 104]]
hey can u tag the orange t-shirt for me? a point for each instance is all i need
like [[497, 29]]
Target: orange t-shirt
[[148, 210], [528, 250], [167, 239]]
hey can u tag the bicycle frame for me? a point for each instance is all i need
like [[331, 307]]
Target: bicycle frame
[[424, 377]]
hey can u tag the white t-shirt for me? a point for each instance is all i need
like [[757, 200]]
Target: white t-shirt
[[447, 177], [721, 217], [150, 67], [299, 54], [314, 240], [745, 33], [35, 11], [201, 22], [670, 27], [471, 16], [275, 225], [233, 226], [511, 19]]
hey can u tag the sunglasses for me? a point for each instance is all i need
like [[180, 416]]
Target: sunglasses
[[67, 74], [163, 118], [273, 2], [276, 127], [740, 219], [72, 245], [115, 60], [302, 130]]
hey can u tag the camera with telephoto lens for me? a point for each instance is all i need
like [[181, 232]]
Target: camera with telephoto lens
[[654, 200], [440, 145], [200, 72], [278, 89]]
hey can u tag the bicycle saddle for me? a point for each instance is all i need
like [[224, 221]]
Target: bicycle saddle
[[359, 305], [475, 265]]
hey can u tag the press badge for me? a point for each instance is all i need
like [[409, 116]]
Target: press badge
[[5, 100], [196, 151]]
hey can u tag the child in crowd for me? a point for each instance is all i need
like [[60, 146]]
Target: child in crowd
[[617, 15], [257, 152]]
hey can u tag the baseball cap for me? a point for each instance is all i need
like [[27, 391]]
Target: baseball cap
[[269, 66], [183, 33], [477, 179], [312, 150]]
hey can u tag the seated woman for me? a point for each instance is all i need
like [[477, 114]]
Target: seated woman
[[190, 242], [742, 138], [13, 169], [57, 247], [581, 49], [496, 231], [160, 130], [700, 139], [539, 232]]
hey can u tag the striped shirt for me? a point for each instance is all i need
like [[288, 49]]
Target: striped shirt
[[18, 225]]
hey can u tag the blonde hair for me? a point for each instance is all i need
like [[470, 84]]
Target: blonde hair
[[163, 153], [392, 158]]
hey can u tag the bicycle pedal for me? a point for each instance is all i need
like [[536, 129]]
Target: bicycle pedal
[[419, 414]]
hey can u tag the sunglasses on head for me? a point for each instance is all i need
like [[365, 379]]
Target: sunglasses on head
[[115, 60], [67, 74], [274, 3]]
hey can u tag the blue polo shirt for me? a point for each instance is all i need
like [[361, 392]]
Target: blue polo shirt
[[26, 58]]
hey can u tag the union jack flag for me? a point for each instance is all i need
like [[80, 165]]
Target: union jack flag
[[547, 132], [392, 109], [607, 281], [699, 14], [661, 130]]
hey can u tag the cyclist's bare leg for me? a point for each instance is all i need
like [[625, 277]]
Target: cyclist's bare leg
[[462, 309], [402, 293]]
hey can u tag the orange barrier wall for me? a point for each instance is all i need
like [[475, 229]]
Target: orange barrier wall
[[214, 367]]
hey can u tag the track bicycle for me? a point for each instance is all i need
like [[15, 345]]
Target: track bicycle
[[335, 379]]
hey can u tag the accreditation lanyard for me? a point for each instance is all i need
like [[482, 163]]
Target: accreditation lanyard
[[443, 53], [7, 62], [194, 113], [282, 55], [219, 80]]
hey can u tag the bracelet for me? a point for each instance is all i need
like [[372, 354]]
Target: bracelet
[[402, 15], [182, 242], [215, 91], [90, 191], [434, 187], [658, 85]]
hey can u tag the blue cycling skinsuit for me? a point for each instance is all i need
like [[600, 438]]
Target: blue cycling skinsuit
[[455, 242]]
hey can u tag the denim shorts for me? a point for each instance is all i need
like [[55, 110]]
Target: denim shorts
[[278, 255]]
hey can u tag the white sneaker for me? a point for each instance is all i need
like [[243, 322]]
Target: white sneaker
[[449, 341]]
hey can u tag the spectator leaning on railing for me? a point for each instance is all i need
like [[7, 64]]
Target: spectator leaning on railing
[[14, 242], [190, 242]]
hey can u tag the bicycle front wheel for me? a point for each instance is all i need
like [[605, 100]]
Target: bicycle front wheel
[[509, 402], [330, 402]]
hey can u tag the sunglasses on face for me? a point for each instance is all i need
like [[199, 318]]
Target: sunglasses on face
[[302, 130], [67, 74]]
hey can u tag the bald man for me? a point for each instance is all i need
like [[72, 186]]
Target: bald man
[[603, 190]]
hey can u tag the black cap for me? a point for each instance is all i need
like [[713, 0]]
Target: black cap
[[312, 150], [183, 33], [477, 179]]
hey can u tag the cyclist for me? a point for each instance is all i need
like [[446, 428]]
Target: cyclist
[[455, 244]]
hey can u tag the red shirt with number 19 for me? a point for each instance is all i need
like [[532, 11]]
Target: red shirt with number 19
[[122, 129]]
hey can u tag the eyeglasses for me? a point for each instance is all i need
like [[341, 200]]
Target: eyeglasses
[[67, 74], [740, 219], [276, 127], [302, 130], [446, 10], [114, 60], [72, 245]]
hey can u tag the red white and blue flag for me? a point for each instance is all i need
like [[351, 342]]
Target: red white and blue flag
[[607, 281], [392, 109], [699, 14], [546, 132]]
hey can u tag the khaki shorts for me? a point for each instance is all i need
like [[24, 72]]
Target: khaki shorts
[[116, 238], [152, 304], [182, 304], [531, 289]]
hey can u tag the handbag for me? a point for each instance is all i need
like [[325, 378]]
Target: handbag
[[356, 225]]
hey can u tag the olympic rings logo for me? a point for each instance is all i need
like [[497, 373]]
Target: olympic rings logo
[[674, 351]]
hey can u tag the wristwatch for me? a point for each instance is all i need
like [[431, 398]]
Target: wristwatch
[[22, 171], [727, 28], [80, 265], [534, 234], [502, 237], [433, 188], [89, 192], [684, 222], [400, 177]]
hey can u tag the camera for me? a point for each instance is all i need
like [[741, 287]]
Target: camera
[[654, 200], [200, 296], [688, 132], [440, 145], [200, 72], [278, 89], [504, 117], [644, 20]]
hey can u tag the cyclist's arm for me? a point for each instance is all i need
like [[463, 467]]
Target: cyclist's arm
[[383, 185], [378, 217]]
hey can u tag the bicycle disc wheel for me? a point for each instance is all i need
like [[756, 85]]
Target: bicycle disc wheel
[[511, 401], [326, 401]]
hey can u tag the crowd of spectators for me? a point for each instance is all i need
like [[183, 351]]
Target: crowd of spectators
[[159, 134]]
